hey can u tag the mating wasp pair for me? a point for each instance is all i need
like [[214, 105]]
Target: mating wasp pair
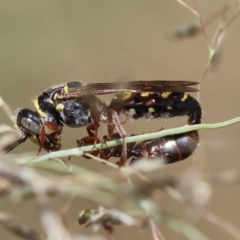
[[77, 105]]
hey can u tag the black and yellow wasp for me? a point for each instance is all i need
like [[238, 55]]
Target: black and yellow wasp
[[77, 105]]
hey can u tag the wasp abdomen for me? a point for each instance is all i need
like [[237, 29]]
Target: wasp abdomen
[[164, 105], [171, 148]]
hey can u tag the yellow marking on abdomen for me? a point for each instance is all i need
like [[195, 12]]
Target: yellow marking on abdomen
[[151, 110], [145, 94], [165, 94], [126, 95], [185, 96]]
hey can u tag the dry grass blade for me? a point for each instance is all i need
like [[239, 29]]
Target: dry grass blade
[[11, 223], [222, 223], [6, 109]]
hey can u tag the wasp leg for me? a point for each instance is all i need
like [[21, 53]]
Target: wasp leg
[[40, 147], [112, 151], [92, 129], [53, 127], [114, 122], [92, 138], [89, 140]]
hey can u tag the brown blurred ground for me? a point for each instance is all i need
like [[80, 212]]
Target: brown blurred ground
[[49, 42]]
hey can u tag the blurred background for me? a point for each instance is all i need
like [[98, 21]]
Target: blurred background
[[45, 43]]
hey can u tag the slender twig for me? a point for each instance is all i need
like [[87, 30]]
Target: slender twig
[[226, 25], [157, 235], [222, 223], [6, 109], [196, 13]]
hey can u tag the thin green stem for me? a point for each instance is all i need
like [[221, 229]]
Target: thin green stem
[[137, 138]]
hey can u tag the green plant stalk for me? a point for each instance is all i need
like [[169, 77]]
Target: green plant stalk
[[137, 138]]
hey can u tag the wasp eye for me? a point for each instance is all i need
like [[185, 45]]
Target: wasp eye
[[30, 125], [29, 121]]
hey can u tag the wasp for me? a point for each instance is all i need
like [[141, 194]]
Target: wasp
[[77, 105]]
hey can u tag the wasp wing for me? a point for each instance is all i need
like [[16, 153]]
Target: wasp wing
[[134, 86]]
